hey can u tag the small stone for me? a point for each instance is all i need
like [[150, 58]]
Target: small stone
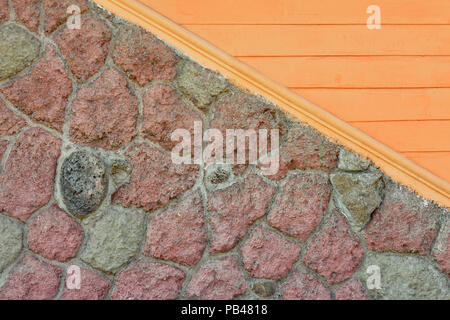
[[357, 195], [18, 50], [3, 147], [403, 223], [143, 57], [301, 285], [10, 241], [10, 123], [114, 239], [178, 233], [352, 290], [54, 235], [350, 161], [92, 287], [31, 279], [104, 113], [441, 249], [165, 112], [267, 255], [85, 49], [233, 210], [334, 252], [264, 289], [145, 280], [84, 182], [298, 209], [26, 183], [120, 172], [28, 13], [155, 179], [218, 176], [218, 279], [406, 278], [4, 11], [55, 12], [199, 85], [42, 93]]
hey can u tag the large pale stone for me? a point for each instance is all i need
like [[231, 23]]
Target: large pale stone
[[10, 241]]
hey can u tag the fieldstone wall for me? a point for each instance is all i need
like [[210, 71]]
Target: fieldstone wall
[[86, 179]]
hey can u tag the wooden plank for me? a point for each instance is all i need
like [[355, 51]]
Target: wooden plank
[[288, 40], [436, 162], [301, 11], [355, 72], [382, 104], [410, 136]]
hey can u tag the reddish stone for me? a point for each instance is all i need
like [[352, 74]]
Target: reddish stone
[[146, 280], [27, 182], [143, 57], [301, 285], [3, 146], [306, 149], [55, 12], [234, 209], [10, 123], [154, 180], [178, 233], [403, 223], [352, 290], [54, 235], [4, 11], [31, 279], [92, 287], [27, 13], [85, 50], [335, 252], [218, 279], [298, 209], [441, 249], [104, 113], [42, 94], [267, 255], [164, 112]]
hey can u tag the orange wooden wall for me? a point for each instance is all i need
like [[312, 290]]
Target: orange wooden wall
[[392, 83]]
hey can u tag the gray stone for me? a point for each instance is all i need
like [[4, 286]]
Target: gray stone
[[18, 50], [84, 183], [199, 85], [120, 172], [405, 278], [114, 239], [264, 289], [10, 241], [349, 161], [218, 176], [357, 195]]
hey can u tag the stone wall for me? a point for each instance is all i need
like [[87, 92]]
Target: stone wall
[[87, 180]]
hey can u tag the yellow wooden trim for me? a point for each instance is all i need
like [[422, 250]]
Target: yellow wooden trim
[[394, 164]]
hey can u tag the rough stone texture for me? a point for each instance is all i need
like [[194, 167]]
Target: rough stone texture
[[164, 112], [264, 289], [299, 207], [349, 161], [406, 278], [403, 223], [145, 280], [92, 287], [4, 11], [83, 182], [10, 123], [352, 290], [27, 13], [27, 181], [218, 279], [335, 252], [218, 176], [178, 233], [113, 239], [54, 235], [155, 180], [301, 285], [42, 93], [18, 50], [31, 279], [120, 172], [267, 255], [3, 147], [199, 85], [85, 50], [104, 113], [143, 57], [441, 249], [357, 195], [10, 241], [233, 210], [306, 149], [55, 12]]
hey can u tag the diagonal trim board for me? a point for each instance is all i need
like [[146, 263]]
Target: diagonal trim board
[[394, 164]]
